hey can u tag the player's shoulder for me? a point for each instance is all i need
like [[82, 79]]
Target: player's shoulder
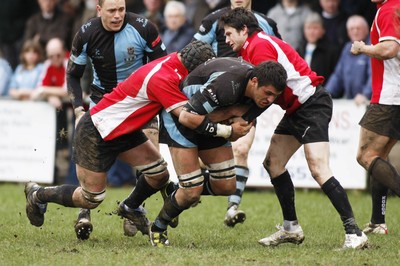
[[92, 26], [138, 21]]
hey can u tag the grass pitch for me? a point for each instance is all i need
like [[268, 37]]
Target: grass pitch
[[201, 237]]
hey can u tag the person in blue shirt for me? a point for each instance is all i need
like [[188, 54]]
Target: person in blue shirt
[[5, 74], [351, 78]]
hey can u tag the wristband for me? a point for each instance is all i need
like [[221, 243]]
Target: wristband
[[214, 129], [224, 131]]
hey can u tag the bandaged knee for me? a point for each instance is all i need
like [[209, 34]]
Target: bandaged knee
[[93, 199], [191, 180], [223, 170], [153, 169]]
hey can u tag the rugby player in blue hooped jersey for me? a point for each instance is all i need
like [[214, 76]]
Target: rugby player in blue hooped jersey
[[212, 32], [117, 43]]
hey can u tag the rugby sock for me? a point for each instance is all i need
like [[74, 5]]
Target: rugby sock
[[338, 197], [385, 173], [284, 190], [59, 194], [242, 174], [379, 197], [169, 211], [140, 193]]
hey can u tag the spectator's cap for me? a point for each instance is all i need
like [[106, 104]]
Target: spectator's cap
[[195, 54]]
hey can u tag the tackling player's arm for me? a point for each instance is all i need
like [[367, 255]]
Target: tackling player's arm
[[75, 70], [194, 115]]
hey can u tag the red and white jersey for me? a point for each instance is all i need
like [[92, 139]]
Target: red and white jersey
[[385, 73], [139, 98], [301, 81]]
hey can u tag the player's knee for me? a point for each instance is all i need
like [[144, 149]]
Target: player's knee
[[92, 199], [155, 170], [191, 180], [223, 177]]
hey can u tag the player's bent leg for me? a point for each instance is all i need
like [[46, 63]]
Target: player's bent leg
[[188, 194], [131, 208]]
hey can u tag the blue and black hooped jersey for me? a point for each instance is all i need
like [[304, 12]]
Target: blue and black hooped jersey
[[211, 32], [113, 55]]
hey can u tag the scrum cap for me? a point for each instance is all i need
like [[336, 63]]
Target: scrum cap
[[195, 54]]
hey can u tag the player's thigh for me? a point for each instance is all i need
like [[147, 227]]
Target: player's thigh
[[372, 144], [216, 155], [90, 180], [142, 154], [185, 160]]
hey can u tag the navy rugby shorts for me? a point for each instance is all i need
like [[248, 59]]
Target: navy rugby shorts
[[95, 154], [383, 120], [310, 122]]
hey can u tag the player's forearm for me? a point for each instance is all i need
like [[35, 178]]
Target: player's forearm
[[74, 91], [382, 51]]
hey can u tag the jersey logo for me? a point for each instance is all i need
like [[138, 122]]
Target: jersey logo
[[131, 54], [143, 21], [85, 26], [98, 55]]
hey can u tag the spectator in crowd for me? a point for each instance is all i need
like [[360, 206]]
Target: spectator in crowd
[[26, 76], [13, 17], [380, 125], [319, 53], [5, 75], [52, 86], [334, 22], [153, 10], [352, 76], [290, 16], [53, 89], [178, 31], [48, 23]]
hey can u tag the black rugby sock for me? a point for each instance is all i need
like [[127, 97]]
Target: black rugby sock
[[379, 195], [386, 174], [284, 189], [59, 194], [140, 193], [340, 201]]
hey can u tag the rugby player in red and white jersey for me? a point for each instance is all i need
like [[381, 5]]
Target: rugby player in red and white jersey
[[112, 129], [308, 113], [380, 125]]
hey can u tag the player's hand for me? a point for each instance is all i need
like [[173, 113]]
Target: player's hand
[[356, 47], [239, 129], [360, 99], [79, 112]]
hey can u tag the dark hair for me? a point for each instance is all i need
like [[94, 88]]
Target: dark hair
[[196, 53], [239, 17], [270, 73]]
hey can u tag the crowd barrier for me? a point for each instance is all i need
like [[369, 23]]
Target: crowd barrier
[[27, 145]]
